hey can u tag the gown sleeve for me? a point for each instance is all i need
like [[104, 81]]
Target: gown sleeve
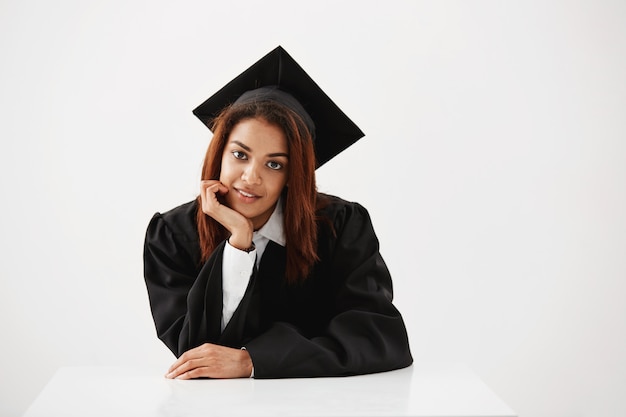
[[185, 297], [365, 334]]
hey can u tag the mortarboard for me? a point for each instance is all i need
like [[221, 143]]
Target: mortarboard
[[334, 131]]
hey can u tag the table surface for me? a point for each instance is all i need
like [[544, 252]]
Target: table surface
[[432, 390]]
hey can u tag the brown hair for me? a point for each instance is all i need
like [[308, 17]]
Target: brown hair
[[299, 197]]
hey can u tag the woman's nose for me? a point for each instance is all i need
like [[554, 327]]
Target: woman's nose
[[250, 175]]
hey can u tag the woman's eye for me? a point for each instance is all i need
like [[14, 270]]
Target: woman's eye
[[239, 155], [274, 165]]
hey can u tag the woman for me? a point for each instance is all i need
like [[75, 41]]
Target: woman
[[262, 275]]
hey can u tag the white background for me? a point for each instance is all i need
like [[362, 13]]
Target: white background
[[494, 168]]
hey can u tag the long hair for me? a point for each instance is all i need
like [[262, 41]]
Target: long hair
[[299, 197]]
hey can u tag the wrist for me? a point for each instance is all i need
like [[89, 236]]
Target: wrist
[[247, 364], [246, 247]]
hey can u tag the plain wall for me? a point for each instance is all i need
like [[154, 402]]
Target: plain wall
[[494, 168]]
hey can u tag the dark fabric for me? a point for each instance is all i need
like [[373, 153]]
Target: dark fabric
[[341, 321]]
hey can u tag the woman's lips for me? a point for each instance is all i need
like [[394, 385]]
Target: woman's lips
[[246, 196]]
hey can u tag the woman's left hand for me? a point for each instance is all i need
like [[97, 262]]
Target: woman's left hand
[[211, 361]]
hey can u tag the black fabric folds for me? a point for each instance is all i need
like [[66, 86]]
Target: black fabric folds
[[341, 321]]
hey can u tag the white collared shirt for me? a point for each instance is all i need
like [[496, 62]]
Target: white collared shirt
[[238, 265]]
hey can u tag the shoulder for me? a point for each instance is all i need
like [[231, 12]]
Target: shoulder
[[179, 221], [345, 228], [342, 214], [180, 215], [336, 208]]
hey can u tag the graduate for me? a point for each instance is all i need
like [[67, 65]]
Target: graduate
[[263, 276]]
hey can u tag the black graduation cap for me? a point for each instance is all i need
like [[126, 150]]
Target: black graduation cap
[[334, 131]]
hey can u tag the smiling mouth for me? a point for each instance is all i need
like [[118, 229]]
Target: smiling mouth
[[247, 195]]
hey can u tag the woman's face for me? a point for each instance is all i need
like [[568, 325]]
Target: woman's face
[[254, 168]]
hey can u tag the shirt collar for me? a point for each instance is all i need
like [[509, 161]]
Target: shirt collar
[[274, 228]]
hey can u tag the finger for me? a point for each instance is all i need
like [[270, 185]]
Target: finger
[[209, 196], [193, 354], [185, 367], [185, 357], [182, 359], [173, 370], [211, 192], [216, 186], [200, 372]]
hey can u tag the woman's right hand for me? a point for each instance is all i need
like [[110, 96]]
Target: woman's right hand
[[236, 223]]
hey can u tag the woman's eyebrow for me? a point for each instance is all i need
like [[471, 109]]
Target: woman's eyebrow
[[249, 149], [246, 147], [274, 155]]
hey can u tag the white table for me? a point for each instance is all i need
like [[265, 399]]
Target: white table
[[450, 390]]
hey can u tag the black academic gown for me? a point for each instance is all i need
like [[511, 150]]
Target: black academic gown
[[341, 321]]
